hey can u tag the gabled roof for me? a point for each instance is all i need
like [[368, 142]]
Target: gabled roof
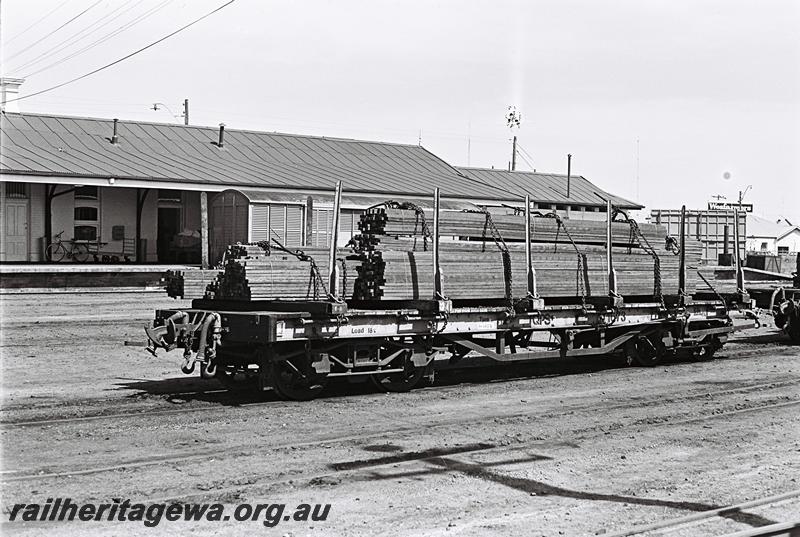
[[760, 227], [78, 147], [547, 187], [65, 146]]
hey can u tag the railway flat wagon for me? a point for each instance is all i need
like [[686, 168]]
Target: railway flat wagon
[[417, 287]]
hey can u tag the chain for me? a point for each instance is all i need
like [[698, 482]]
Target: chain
[[344, 276], [711, 287], [420, 218], [315, 280], [641, 241], [582, 274], [501, 244], [671, 245]]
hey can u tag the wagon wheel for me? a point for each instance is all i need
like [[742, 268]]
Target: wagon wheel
[[643, 352], [706, 350], [296, 383], [235, 380], [80, 253], [403, 381]]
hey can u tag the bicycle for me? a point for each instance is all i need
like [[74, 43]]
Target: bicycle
[[75, 250]]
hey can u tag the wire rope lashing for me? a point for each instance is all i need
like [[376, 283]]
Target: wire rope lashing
[[500, 242], [315, 279], [582, 270], [638, 239]]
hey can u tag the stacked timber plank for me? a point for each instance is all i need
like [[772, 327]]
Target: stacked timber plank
[[273, 274], [474, 225], [191, 283], [258, 272], [569, 259]]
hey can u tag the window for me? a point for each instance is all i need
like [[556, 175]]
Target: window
[[764, 246], [277, 221], [169, 195], [85, 233], [16, 190], [86, 213], [783, 249], [86, 193]]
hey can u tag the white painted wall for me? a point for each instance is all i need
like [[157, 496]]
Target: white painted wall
[[755, 244], [792, 241]]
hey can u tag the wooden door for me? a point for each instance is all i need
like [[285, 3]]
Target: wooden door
[[15, 234]]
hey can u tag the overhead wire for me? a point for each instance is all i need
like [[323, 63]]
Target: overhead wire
[[147, 14], [115, 62], [519, 146], [48, 34], [525, 160], [37, 21], [78, 36]]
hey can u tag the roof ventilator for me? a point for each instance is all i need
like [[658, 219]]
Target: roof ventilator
[[114, 136], [220, 143]]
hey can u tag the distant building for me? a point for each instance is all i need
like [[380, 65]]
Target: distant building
[[768, 237], [144, 189]]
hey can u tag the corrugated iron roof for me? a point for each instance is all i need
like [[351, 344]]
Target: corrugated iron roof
[[547, 187], [49, 145], [71, 146]]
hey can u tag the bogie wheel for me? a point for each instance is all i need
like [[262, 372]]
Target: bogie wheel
[[642, 351], [55, 252], [793, 318], [236, 381], [293, 382], [403, 381], [80, 253], [707, 350]]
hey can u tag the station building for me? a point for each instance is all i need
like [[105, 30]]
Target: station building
[[151, 192]]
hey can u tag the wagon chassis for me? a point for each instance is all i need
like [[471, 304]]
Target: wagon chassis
[[295, 346]]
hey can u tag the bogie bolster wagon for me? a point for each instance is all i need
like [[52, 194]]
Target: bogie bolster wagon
[[296, 346]]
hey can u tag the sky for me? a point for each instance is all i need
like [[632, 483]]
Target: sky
[[663, 102]]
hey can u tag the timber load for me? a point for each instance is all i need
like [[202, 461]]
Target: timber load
[[478, 225], [190, 283], [484, 258], [261, 272]]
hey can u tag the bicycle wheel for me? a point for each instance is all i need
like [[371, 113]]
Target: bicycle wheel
[[80, 253], [55, 252]]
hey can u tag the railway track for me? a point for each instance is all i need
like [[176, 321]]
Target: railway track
[[772, 529], [221, 405], [412, 427]]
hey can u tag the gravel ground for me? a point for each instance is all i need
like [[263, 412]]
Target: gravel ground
[[586, 447]]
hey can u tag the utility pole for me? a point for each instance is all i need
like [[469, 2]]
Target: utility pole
[[514, 154], [186, 111], [742, 195], [513, 119], [569, 170]]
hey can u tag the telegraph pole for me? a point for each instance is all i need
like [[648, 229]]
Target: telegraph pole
[[513, 119], [186, 111], [569, 170], [514, 154]]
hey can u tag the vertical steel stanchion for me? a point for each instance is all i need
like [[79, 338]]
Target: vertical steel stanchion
[[438, 292], [528, 256], [333, 271], [682, 261], [737, 254], [612, 274]]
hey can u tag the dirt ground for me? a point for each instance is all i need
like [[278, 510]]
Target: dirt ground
[[587, 447]]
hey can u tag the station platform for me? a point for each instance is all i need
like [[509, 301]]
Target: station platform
[[83, 277]]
